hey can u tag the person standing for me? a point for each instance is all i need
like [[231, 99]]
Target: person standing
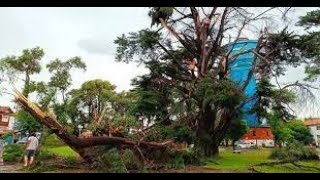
[[31, 148]]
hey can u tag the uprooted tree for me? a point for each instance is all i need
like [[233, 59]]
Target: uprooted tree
[[188, 94]]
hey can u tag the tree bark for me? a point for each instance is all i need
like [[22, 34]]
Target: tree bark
[[212, 129]]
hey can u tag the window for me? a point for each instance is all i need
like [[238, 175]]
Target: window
[[318, 127], [5, 118], [254, 133], [318, 136], [267, 133]]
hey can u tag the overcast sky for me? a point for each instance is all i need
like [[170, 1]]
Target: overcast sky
[[86, 32]]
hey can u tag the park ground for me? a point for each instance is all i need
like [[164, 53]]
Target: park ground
[[55, 157]]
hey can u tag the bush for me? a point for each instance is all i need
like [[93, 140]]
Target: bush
[[176, 162], [294, 152], [112, 162], [12, 152]]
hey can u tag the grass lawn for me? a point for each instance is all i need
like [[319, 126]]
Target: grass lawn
[[250, 158], [62, 151], [53, 145], [239, 162]]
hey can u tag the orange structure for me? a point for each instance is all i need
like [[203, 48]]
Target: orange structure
[[261, 136]]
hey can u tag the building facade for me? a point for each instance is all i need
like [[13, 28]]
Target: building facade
[[261, 136], [314, 126], [6, 121]]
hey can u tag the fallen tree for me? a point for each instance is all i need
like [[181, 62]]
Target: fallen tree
[[85, 147]]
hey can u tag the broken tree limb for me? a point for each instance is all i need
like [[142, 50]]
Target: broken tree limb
[[83, 145]]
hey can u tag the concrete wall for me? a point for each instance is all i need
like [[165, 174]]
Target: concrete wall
[[259, 142], [315, 133]]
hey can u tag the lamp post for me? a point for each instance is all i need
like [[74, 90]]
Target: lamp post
[[80, 128]]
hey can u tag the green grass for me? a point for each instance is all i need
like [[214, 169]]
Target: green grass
[[61, 151], [291, 168], [251, 158], [239, 162], [54, 146]]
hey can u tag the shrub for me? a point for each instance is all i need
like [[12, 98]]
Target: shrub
[[294, 152], [112, 162], [12, 152], [176, 162]]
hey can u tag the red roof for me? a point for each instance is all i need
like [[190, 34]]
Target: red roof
[[259, 133], [5, 110], [312, 121]]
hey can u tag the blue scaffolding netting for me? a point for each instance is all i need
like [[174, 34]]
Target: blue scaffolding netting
[[239, 69]]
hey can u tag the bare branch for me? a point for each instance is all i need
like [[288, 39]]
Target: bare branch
[[175, 34], [263, 13]]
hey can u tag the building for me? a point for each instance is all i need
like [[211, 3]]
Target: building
[[314, 126], [6, 121], [260, 136]]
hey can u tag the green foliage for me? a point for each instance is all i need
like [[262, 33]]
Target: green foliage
[[237, 129], [149, 103], [7, 134], [160, 12], [270, 98], [112, 162], [218, 94], [60, 110], [53, 141], [294, 151], [93, 95], [27, 121], [12, 153], [282, 133], [144, 44], [176, 162], [61, 77], [180, 132], [312, 18], [300, 132], [29, 60], [45, 155], [309, 44], [289, 132], [27, 64]]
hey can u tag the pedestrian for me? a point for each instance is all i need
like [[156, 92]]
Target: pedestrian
[[31, 148]]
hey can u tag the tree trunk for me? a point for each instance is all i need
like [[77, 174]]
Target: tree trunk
[[212, 130], [233, 145], [26, 85]]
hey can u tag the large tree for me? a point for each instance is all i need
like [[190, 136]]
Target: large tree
[[24, 66], [189, 81], [188, 56]]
